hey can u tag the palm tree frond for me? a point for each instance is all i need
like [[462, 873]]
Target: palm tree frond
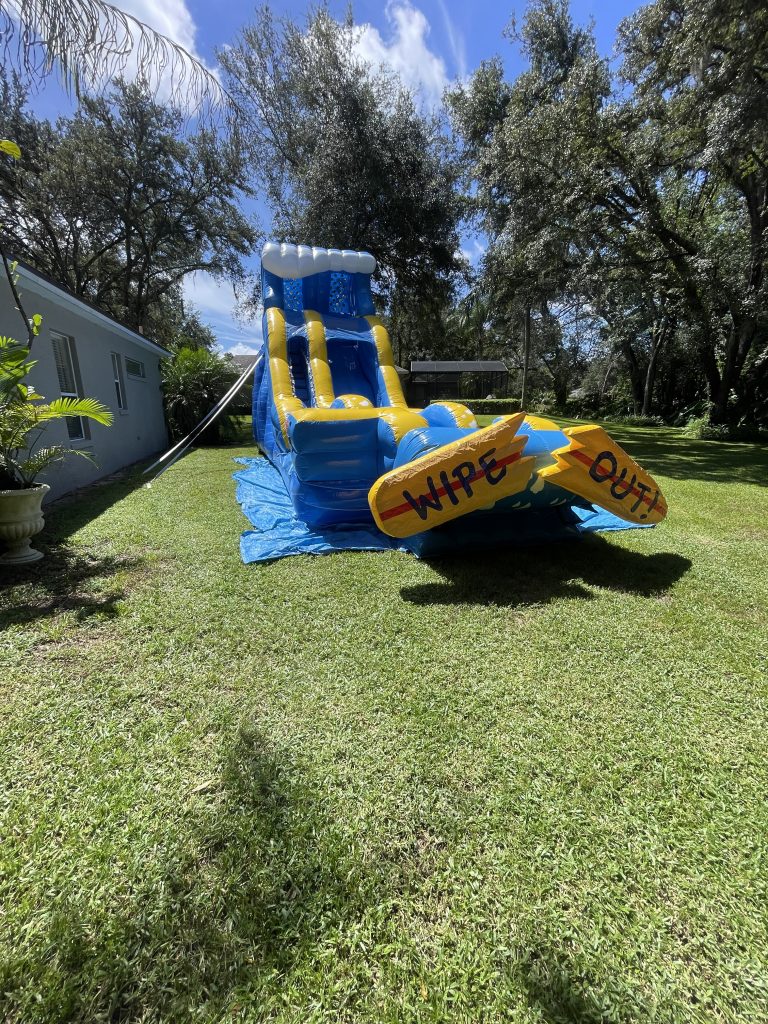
[[40, 460], [91, 42], [66, 407]]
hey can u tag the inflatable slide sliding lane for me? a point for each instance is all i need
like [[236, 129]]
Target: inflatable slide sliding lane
[[329, 412]]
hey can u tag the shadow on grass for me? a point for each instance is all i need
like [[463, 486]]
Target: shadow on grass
[[553, 992], [543, 574], [59, 583], [239, 900], [75, 510], [668, 454]]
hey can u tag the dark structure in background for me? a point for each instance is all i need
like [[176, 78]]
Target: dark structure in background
[[456, 379], [241, 406]]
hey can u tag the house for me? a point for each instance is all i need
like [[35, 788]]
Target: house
[[81, 351], [244, 362]]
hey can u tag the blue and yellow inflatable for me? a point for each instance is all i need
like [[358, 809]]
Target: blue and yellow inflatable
[[330, 414]]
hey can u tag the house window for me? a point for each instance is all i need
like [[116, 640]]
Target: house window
[[134, 368], [66, 369], [117, 373]]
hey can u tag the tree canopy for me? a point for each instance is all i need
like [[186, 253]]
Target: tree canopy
[[118, 206], [345, 156], [639, 192], [624, 202]]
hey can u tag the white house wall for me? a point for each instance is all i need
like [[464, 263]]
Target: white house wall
[[137, 432]]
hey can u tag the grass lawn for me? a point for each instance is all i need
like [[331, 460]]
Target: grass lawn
[[528, 786]]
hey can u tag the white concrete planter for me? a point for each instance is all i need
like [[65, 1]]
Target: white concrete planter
[[21, 518]]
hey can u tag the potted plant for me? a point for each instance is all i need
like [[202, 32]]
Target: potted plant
[[24, 418]]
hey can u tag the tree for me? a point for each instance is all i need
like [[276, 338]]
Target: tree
[[643, 189], [156, 206], [193, 381], [704, 67], [344, 156], [176, 324], [525, 268]]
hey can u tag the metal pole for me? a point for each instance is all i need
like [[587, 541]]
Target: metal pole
[[178, 449]]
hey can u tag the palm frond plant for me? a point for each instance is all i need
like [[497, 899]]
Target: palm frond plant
[[25, 416], [91, 42], [193, 381]]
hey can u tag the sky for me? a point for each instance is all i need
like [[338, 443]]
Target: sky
[[430, 43]]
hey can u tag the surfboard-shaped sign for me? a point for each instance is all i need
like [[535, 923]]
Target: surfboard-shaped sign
[[471, 473], [596, 468]]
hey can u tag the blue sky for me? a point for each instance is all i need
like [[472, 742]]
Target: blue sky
[[429, 42]]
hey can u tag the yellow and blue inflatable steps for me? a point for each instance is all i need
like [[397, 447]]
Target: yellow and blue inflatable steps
[[330, 414]]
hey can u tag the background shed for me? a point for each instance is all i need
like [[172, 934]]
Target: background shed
[[456, 379]]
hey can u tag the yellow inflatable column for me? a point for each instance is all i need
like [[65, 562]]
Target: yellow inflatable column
[[280, 372], [386, 362], [322, 385]]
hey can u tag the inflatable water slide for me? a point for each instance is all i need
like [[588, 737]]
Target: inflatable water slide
[[330, 414]]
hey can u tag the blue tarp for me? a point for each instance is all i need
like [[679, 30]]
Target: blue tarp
[[266, 504]]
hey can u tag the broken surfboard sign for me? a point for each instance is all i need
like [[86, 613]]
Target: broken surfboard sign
[[472, 473], [596, 468]]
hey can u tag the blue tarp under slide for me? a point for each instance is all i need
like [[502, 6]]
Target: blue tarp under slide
[[278, 533]]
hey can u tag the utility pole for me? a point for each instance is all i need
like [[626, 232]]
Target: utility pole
[[526, 356]]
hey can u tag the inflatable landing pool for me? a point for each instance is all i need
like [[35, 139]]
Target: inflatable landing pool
[[329, 413]]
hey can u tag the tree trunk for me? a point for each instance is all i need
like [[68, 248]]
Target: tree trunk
[[659, 334], [526, 356], [650, 380], [560, 386], [740, 339], [635, 375]]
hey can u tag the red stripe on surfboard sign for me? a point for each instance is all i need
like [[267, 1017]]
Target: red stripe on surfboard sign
[[588, 461], [441, 492]]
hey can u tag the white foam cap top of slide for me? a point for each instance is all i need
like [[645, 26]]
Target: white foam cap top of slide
[[292, 261]]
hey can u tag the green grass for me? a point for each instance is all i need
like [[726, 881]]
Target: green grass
[[522, 787]]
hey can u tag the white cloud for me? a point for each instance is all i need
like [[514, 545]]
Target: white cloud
[[215, 301], [473, 250], [244, 349], [455, 40], [406, 51], [205, 292], [171, 17]]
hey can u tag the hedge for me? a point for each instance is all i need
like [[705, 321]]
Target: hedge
[[489, 406], [493, 406]]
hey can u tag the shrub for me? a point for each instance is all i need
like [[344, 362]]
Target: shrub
[[24, 416], [700, 429], [749, 432], [193, 381], [491, 406], [636, 421]]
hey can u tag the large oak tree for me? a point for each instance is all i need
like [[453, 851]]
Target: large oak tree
[[345, 156], [118, 205], [645, 191]]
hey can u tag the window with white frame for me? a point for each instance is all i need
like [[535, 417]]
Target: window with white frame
[[117, 373], [66, 369], [134, 367]]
